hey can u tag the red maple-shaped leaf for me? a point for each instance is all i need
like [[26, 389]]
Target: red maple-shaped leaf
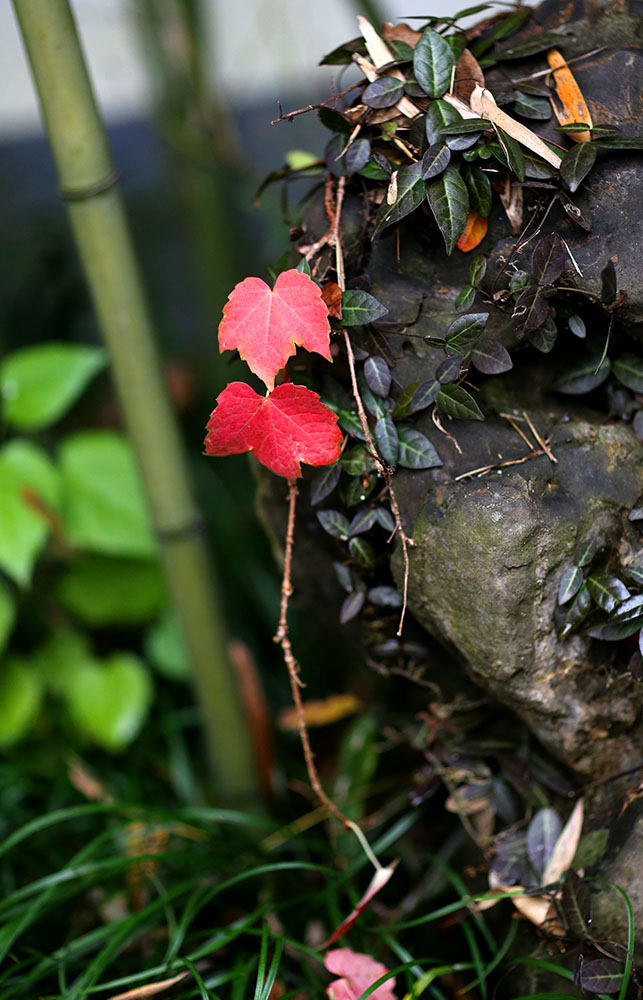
[[289, 426], [266, 326]]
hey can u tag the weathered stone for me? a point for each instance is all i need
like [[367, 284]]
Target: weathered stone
[[490, 554]]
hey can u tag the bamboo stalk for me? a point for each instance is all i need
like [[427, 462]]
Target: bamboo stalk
[[88, 185]]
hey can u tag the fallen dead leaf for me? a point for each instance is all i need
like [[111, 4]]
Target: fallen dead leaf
[[400, 33], [511, 199], [379, 880], [484, 105], [141, 992], [320, 713], [467, 74], [572, 108]]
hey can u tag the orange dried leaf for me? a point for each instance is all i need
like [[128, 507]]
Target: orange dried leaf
[[572, 108], [320, 713], [474, 232], [331, 295]]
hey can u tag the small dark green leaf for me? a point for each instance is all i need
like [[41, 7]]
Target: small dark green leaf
[[357, 488], [519, 281], [433, 62], [351, 606], [356, 461], [375, 405], [334, 523], [387, 440], [530, 311], [585, 552], [416, 451], [439, 115], [458, 403], [385, 518], [425, 394], [577, 326], [343, 54], [411, 190], [602, 975], [458, 43], [542, 834], [465, 299], [324, 482], [528, 106], [465, 330], [449, 369], [634, 573], [349, 422], [573, 127], [378, 376], [435, 160], [609, 286], [385, 597], [477, 269], [362, 521], [465, 126], [544, 337], [335, 121], [383, 92], [577, 163], [513, 153], [491, 357], [403, 403], [362, 552], [304, 267], [402, 51], [570, 584], [574, 212], [357, 156], [583, 377], [576, 613], [548, 259], [607, 591], [531, 46], [618, 142], [537, 169], [344, 576], [359, 308], [479, 187], [577, 905], [333, 156], [629, 371], [627, 620]]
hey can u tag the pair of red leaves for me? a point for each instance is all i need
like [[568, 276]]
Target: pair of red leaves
[[290, 424]]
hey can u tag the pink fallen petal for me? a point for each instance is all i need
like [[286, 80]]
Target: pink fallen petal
[[358, 972]]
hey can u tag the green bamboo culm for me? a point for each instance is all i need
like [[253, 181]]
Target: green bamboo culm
[[88, 185]]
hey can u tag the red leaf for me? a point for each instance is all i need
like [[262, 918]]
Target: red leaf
[[289, 426], [266, 326], [358, 972], [379, 880]]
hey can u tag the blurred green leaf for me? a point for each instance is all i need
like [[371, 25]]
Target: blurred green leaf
[[29, 486], [7, 614], [103, 506], [20, 697], [108, 701], [102, 590], [38, 384], [165, 649], [59, 657]]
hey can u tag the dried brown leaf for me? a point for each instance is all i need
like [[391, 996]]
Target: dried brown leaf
[[467, 74], [400, 33], [484, 105]]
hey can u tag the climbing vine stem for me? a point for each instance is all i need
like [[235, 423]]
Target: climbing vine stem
[[383, 470]]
